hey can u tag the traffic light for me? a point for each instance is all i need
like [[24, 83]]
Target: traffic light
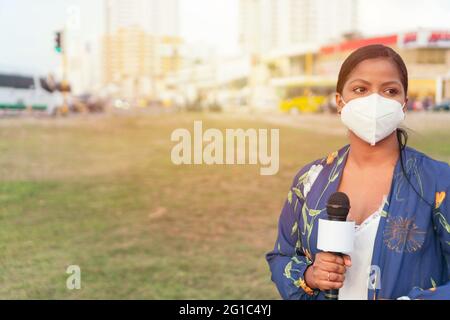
[[59, 41]]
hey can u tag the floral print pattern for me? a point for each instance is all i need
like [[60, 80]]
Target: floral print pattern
[[403, 234], [310, 178], [440, 196], [412, 244]]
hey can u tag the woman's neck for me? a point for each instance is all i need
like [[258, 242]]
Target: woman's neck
[[383, 153]]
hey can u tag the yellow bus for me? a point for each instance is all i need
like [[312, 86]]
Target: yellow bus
[[304, 95]]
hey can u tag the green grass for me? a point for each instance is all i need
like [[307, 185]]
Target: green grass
[[103, 194]]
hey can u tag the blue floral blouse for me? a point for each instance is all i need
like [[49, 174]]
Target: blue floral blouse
[[411, 254]]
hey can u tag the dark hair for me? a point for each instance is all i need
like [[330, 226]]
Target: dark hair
[[372, 52]]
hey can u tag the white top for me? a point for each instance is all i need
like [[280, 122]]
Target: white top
[[356, 283]]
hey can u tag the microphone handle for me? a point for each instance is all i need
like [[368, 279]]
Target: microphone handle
[[333, 294]]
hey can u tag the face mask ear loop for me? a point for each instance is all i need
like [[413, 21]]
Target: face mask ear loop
[[345, 103]]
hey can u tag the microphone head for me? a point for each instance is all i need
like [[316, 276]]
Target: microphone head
[[338, 206]]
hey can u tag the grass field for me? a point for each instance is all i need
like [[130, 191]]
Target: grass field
[[102, 193]]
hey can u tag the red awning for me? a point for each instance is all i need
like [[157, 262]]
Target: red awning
[[355, 44]]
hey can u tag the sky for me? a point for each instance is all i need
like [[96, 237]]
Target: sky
[[383, 16], [27, 27], [202, 20]]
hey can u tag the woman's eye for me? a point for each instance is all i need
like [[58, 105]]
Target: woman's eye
[[359, 90], [391, 92]]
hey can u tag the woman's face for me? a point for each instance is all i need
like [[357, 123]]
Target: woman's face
[[370, 76]]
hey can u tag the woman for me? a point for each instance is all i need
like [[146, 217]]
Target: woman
[[399, 199]]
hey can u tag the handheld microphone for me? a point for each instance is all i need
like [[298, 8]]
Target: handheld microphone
[[338, 206]]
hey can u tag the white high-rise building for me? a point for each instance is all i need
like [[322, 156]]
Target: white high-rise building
[[267, 25], [256, 25], [141, 44], [155, 17], [337, 17]]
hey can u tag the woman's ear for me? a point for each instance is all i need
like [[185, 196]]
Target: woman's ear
[[404, 107], [339, 102]]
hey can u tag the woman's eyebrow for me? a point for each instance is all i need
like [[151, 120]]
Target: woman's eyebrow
[[360, 80], [384, 83], [392, 82]]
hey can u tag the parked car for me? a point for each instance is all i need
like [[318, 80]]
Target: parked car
[[87, 102], [443, 106]]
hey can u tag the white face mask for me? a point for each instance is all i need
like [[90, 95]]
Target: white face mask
[[372, 118]]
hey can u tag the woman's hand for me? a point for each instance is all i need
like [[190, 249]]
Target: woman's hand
[[327, 271]]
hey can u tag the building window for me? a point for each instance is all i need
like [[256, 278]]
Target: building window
[[431, 56]]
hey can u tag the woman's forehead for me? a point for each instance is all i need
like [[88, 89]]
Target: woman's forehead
[[375, 70]]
